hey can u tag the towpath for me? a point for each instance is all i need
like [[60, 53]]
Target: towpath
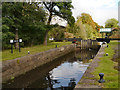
[[88, 80]]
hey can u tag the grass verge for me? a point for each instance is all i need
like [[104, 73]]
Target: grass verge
[[6, 54], [106, 66]]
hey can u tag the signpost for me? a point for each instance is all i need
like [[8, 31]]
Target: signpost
[[20, 41], [11, 42], [105, 30], [14, 41]]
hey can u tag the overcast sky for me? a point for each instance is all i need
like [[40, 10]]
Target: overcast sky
[[100, 10]]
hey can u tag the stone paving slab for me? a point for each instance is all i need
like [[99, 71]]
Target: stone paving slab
[[88, 81]]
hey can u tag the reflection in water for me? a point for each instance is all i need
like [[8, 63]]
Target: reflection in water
[[64, 72], [85, 56]]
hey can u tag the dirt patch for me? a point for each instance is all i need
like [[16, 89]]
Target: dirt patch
[[88, 80]]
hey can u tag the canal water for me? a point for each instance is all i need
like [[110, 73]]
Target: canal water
[[62, 73]]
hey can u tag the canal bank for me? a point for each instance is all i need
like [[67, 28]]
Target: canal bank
[[18, 66], [61, 73], [88, 80]]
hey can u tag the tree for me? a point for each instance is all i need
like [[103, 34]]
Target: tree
[[87, 19], [0, 27], [73, 29], [11, 15], [61, 9], [28, 18], [34, 18], [111, 23], [57, 32], [88, 28], [81, 29], [97, 26], [101, 27]]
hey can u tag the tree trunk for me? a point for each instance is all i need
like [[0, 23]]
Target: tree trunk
[[45, 38], [46, 33], [16, 38]]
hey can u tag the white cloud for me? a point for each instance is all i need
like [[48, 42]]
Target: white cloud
[[100, 10], [94, 3]]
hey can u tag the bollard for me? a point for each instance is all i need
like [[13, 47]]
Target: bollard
[[107, 46], [106, 54], [101, 78], [56, 46], [11, 42], [11, 48], [20, 41], [19, 48], [28, 52]]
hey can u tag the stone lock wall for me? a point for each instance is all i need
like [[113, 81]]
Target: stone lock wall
[[18, 66]]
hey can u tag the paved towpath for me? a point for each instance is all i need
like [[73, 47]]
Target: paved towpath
[[88, 80]]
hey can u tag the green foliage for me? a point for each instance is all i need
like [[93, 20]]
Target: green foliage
[[28, 18], [86, 27], [87, 19], [74, 29], [81, 30], [6, 37], [91, 33], [101, 27], [12, 78], [61, 9], [111, 23], [0, 28], [57, 32]]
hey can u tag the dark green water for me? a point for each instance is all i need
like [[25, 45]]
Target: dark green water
[[62, 73]]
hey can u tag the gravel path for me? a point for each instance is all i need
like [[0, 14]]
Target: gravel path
[[88, 81]]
